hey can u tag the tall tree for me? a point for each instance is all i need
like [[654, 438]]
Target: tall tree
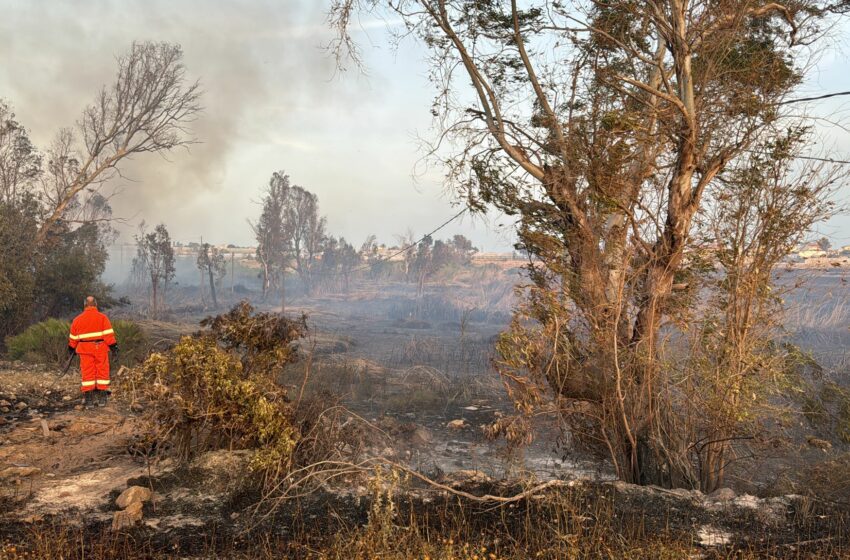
[[49, 278], [274, 234], [155, 255], [147, 109], [601, 126], [18, 226], [290, 233], [308, 232], [210, 261], [423, 263], [339, 258], [20, 162]]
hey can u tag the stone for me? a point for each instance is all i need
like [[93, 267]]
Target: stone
[[420, 436], [45, 429], [5, 409], [127, 517], [66, 398], [5, 403], [819, 443], [458, 424], [3, 421], [133, 495], [722, 495], [18, 472], [20, 406]]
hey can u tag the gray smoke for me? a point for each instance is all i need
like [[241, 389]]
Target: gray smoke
[[273, 100], [57, 55]]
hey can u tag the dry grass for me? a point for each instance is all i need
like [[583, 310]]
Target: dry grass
[[567, 523]]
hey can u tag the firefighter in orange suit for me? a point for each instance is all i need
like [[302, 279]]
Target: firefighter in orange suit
[[92, 338]]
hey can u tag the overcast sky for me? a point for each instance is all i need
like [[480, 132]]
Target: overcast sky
[[273, 101]]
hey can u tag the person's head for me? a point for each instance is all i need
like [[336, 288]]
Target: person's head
[[90, 301]]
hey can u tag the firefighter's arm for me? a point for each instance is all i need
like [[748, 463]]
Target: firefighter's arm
[[73, 339], [109, 334]]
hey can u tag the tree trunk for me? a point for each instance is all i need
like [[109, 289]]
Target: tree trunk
[[282, 291], [154, 297], [265, 281], [212, 287]]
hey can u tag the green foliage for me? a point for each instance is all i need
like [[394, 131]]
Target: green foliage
[[43, 342], [263, 341], [49, 280], [46, 342], [18, 227], [201, 399], [132, 341], [215, 389], [69, 269]]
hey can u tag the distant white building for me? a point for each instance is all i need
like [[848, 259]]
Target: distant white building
[[811, 251]]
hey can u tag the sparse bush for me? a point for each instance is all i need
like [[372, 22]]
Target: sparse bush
[[217, 389], [418, 351], [201, 399], [264, 342], [46, 342], [829, 480], [829, 410]]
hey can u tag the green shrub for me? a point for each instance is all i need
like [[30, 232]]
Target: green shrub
[[216, 389], [46, 343], [43, 342], [200, 399], [132, 341]]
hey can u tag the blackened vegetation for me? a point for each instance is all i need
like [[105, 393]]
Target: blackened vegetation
[[399, 520]]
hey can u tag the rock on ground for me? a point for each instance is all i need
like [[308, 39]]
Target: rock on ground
[[458, 424], [127, 517], [132, 495]]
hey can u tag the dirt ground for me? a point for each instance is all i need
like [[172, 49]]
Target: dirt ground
[[53, 455], [62, 467], [421, 381]]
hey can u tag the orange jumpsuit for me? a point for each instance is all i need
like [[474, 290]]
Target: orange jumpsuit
[[91, 336]]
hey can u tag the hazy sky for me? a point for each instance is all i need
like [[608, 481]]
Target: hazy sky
[[273, 101]]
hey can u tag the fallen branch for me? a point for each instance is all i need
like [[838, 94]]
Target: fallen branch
[[486, 497]]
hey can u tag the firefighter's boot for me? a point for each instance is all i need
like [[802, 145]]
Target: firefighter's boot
[[88, 400], [102, 397]]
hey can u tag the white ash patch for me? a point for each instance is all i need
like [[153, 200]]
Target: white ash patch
[[712, 536]]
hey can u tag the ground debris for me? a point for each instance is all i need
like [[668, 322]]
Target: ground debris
[[15, 473], [711, 536], [458, 424], [132, 495], [128, 517]]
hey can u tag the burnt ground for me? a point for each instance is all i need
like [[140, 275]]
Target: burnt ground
[[407, 371], [60, 483]]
